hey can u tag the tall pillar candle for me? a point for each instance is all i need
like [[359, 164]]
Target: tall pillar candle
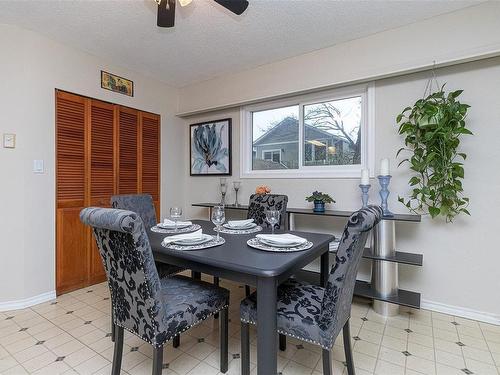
[[384, 167], [365, 177]]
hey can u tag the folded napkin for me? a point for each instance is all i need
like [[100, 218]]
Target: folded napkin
[[282, 239], [240, 223], [198, 235], [171, 223]]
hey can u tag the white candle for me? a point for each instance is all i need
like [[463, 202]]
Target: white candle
[[384, 167], [365, 177]]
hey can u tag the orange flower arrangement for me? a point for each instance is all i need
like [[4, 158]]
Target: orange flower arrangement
[[262, 189]]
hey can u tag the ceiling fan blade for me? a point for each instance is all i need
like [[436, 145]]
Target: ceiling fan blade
[[166, 13], [235, 6]]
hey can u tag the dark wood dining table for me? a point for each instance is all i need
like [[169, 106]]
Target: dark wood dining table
[[236, 261]]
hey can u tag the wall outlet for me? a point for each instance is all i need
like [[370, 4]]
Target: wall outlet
[[9, 140], [38, 166]]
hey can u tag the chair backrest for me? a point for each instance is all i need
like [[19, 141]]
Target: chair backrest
[[128, 260], [337, 300], [141, 204], [260, 203]]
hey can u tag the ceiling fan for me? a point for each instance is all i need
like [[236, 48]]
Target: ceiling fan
[[166, 9]]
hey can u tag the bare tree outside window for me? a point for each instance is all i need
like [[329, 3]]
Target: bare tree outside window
[[332, 132]]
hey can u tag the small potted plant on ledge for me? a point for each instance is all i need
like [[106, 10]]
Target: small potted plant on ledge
[[319, 200]]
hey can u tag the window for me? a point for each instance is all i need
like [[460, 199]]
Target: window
[[332, 132], [329, 134], [275, 138], [272, 155]]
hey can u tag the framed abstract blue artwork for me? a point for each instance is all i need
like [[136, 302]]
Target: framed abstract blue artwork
[[210, 148]]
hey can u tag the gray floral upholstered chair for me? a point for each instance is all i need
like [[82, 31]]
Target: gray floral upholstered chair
[[154, 309], [257, 206], [143, 205], [260, 203], [312, 313]]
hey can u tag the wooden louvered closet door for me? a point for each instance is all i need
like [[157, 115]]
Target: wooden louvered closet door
[[102, 149], [71, 240], [128, 151], [102, 173], [150, 155]]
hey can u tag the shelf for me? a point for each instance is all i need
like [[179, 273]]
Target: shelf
[[364, 289], [403, 298], [400, 257], [308, 211]]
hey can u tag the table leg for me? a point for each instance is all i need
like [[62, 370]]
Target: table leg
[[266, 327], [209, 213], [324, 272]]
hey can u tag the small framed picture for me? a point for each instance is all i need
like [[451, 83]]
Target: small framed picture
[[210, 148], [116, 83], [9, 140]]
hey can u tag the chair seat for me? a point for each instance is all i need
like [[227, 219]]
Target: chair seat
[[165, 270], [299, 308], [189, 302]]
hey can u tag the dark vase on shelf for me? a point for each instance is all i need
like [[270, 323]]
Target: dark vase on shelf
[[319, 206]]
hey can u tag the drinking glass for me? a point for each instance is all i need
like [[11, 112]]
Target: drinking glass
[[273, 218], [236, 186], [175, 215], [218, 218], [223, 190]]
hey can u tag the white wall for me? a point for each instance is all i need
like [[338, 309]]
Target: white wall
[[460, 259], [464, 34], [31, 67]]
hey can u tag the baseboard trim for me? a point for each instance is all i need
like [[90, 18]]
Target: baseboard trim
[[462, 312], [27, 302]]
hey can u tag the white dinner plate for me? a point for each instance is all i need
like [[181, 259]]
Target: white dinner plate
[[248, 226], [190, 242], [172, 226], [274, 244]]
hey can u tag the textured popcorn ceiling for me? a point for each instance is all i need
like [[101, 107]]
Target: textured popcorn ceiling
[[207, 40]]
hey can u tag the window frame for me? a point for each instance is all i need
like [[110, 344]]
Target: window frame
[[367, 93]]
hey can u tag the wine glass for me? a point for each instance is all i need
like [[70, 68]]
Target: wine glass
[[273, 218], [236, 186], [175, 215], [218, 218], [223, 190]]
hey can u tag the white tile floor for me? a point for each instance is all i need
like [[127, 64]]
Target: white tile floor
[[71, 335]]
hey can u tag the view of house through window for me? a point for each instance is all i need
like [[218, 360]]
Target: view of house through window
[[332, 132], [331, 135], [275, 138]]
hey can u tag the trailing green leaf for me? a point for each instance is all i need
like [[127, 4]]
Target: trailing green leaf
[[432, 128]]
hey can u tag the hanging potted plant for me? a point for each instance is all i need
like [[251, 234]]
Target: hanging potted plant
[[319, 200], [432, 128]]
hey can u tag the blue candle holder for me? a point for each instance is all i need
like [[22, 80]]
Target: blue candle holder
[[384, 194], [364, 194]]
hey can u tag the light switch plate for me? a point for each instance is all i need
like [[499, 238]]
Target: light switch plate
[[9, 140], [38, 166]]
